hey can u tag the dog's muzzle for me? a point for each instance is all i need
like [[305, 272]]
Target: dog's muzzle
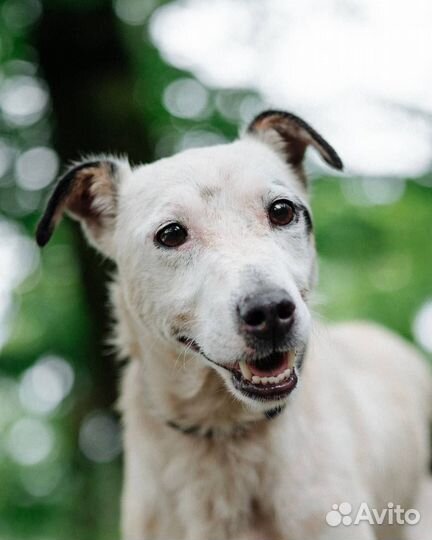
[[272, 377], [265, 321]]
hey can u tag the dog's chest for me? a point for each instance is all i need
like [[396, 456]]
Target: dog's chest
[[218, 490]]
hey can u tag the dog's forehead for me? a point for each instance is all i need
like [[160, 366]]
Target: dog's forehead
[[236, 174], [241, 165]]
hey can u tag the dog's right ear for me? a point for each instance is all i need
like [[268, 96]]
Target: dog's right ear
[[290, 136], [88, 193]]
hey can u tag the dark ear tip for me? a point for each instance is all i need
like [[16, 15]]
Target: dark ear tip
[[43, 234], [337, 163]]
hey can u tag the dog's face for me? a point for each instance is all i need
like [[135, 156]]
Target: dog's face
[[214, 249]]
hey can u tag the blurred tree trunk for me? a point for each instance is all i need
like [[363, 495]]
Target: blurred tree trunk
[[83, 61], [94, 110]]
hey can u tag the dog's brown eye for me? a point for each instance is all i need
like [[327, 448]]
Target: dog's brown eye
[[172, 235], [281, 212]]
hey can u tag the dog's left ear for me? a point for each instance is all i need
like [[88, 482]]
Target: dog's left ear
[[290, 135], [88, 193]]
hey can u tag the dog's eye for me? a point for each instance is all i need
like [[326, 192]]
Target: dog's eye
[[281, 212], [172, 235]]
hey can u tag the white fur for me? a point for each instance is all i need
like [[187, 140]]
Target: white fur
[[355, 429]]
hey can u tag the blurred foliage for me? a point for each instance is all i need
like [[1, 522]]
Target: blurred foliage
[[60, 471], [375, 260]]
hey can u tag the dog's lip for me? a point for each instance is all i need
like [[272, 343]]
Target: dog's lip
[[189, 343], [268, 391]]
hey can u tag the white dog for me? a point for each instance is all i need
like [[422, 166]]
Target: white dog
[[243, 418]]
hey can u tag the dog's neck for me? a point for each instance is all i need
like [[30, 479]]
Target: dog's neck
[[180, 391]]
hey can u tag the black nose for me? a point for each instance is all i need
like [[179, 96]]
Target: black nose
[[267, 315]]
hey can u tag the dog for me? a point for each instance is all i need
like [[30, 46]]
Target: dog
[[244, 417]]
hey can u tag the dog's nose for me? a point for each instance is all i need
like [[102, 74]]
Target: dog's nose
[[267, 315]]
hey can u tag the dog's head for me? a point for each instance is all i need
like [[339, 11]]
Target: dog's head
[[214, 248]]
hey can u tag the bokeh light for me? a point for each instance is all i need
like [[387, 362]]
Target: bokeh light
[[186, 98], [36, 168], [196, 138], [23, 100], [371, 191], [18, 259], [134, 12], [100, 439], [30, 441], [20, 14], [42, 479], [238, 107], [46, 384]]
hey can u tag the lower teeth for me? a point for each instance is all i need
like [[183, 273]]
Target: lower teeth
[[272, 380]]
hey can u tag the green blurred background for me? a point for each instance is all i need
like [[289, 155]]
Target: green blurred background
[[79, 76]]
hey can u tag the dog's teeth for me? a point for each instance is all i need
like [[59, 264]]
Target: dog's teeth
[[246, 372], [272, 380], [291, 359]]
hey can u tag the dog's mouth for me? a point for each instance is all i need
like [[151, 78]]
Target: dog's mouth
[[272, 377]]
